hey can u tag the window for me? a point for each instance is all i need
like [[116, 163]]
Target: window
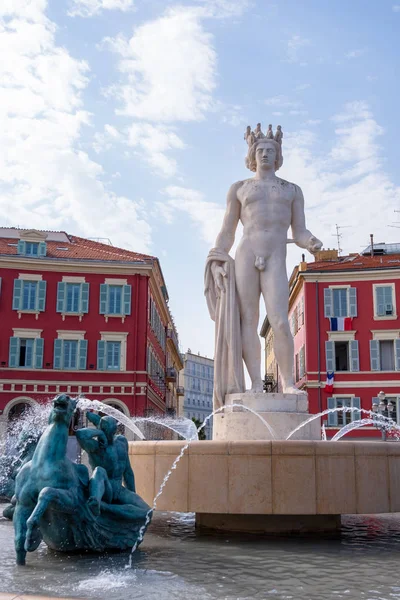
[[340, 302], [342, 418], [70, 354], [31, 248], [115, 299], [26, 352], [342, 355], [385, 355], [72, 298], [113, 355], [384, 300], [29, 290], [300, 364], [29, 295], [111, 352]]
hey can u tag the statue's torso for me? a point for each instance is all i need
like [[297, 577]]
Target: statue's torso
[[266, 205], [266, 213], [112, 459]]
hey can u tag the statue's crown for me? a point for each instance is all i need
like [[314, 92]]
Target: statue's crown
[[252, 136]]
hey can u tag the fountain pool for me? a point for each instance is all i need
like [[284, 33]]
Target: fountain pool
[[361, 562]]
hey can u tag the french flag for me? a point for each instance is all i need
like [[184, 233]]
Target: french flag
[[330, 378], [341, 323]]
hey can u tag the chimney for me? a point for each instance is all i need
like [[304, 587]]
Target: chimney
[[326, 255], [371, 235]]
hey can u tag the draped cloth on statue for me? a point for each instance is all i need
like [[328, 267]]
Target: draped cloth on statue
[[224, 310]]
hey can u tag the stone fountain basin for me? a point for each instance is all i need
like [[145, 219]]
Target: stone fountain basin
[[222, 482]]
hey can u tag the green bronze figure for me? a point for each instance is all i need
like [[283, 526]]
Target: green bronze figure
[[56, 500]]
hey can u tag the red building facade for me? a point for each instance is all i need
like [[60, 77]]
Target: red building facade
[[82, 317], [344, 319]]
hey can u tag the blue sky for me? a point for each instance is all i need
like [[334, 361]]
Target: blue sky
[[124, 119]]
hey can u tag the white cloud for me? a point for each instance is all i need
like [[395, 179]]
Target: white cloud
[[302, 87], [223, 9], [356, 53], [151, 143], [90, 8], [206, 215], [348, 185], [46, 180], [396, 7], [294, 46], [168, 68], [281, 102]]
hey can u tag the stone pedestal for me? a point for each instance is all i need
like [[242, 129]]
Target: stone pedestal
[[282, 412]]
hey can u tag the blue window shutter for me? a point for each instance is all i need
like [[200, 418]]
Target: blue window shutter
[[330, 356], [352, 302], [101, 354], [397, 354], [356, 403], [380, 301], [83, 344], [17, 297], [103, 298], [84, 298], [332, 417], [57, 360], [127, 292], [374, 353], [61, 289], [328, 302], [42, 248], [41, 296], [14, 352], [38, 353], [21, 247], [354, 356]]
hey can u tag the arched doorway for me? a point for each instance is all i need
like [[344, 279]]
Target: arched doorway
[[121, 407]]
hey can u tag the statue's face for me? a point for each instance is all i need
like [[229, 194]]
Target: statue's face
[[265, 155], [63, 409]]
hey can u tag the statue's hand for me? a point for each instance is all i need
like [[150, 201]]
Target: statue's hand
[[219, 274], [314, 244]]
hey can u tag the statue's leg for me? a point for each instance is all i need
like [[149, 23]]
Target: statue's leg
[[275, 290], [61, 500], [129, 506], [21, 516], [99, 489], [248, 290]]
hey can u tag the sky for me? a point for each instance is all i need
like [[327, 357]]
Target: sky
[[124, 119]]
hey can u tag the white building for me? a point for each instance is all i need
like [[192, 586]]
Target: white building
[[198, 373]]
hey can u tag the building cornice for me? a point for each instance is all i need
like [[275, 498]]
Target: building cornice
[[76, 266], [356, 275]]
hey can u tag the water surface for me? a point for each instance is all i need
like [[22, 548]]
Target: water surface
[[174, 562]]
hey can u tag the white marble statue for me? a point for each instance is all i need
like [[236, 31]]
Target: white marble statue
[[266, 206]]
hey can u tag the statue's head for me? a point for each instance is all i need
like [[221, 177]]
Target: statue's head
[[262, 153], [262, 147], [63, 409], [109, 426]]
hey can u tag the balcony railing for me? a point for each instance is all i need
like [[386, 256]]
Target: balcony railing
[[171, 335], [171, 374]]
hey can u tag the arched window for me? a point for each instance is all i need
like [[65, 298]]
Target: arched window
[[121, 427], [16, 412]]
